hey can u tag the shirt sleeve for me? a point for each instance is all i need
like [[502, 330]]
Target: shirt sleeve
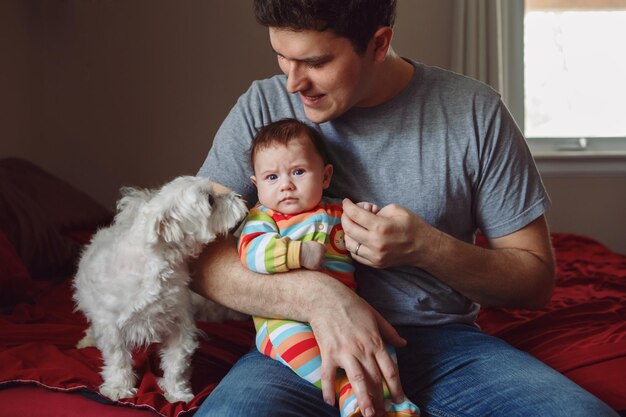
[[509, 193], [261, 247]]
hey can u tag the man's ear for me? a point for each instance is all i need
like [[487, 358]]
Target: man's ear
[[328, 174], [382, 42], [253, 179]]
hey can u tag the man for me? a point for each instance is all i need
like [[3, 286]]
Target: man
[[442, 156]]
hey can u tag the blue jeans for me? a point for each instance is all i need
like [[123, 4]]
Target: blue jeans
[[453, 370]]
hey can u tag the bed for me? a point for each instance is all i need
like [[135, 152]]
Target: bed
[[44, 221]]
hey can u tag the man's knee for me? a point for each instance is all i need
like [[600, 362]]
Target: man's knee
[[262, 387]]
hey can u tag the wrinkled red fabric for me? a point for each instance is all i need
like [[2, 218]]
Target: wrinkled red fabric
[[37, 346], [581, 333]]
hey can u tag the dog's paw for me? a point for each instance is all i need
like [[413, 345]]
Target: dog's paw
[[179, 396], [86, 341], [176, 391], [115, 392]]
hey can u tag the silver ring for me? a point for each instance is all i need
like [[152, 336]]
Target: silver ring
[[356, 250]]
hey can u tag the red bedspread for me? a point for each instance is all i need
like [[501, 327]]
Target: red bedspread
[[37, 346], [581, 333]]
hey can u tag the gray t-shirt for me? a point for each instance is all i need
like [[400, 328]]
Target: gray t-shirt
[[445, 148]]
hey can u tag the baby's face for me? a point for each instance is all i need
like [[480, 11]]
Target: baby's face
[[290, 179]]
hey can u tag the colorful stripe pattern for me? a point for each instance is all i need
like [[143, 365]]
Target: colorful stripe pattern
[[269, 244], [293, 344], [269, 240]]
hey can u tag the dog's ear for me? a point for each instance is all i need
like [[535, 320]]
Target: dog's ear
[[180, 213], [169, 228], [164, 227]]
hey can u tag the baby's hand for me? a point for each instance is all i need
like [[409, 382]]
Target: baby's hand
[[373, 208], [312, 255]]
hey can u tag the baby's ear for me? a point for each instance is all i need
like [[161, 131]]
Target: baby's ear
[[328, 174], [253, 179]]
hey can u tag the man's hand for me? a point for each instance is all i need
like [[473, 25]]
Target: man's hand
[[352, 335], [392, 236], [312, 255], [396, 236]]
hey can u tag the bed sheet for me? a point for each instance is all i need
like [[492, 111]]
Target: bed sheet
[[581, 333]]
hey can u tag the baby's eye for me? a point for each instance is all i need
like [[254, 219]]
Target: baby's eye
[[298, 171], [272, 177]]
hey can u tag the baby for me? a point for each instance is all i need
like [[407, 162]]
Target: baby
[[294, 226]]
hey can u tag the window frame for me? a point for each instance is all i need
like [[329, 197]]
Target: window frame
[[561, 155]]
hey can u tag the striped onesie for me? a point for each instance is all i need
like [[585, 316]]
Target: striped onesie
[[270, 243]]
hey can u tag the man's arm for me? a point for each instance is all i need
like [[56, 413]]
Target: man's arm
[[349, 332], [220, 275], [517, 270]]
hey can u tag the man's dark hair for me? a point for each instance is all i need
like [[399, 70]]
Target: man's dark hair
[[356, 20], [283, 131]]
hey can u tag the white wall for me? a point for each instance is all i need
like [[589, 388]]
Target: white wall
[[589, 204], [111, 93]]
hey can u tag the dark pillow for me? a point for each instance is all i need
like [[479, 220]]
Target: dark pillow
[[65, 207], [36, 209], [15, 282]]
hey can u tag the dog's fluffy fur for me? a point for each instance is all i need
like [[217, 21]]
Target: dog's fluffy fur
[[132, 280]]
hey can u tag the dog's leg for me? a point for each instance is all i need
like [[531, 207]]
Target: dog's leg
[[87, 340], [176, 352], [117, 372]]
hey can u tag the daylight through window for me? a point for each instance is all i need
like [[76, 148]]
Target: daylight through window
[[575, 68]]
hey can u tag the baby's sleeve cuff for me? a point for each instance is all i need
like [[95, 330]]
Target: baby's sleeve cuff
[[293, 254]]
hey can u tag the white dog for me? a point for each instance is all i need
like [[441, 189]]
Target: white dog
[[132, 280]]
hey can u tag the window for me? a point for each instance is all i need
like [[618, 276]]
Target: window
[[570, 96]]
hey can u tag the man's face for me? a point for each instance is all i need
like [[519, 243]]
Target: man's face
[[324, 70]]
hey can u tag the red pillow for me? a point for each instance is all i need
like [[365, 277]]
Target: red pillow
[[15, 282]]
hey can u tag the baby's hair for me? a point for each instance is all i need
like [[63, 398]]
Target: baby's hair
[[283, 131]]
